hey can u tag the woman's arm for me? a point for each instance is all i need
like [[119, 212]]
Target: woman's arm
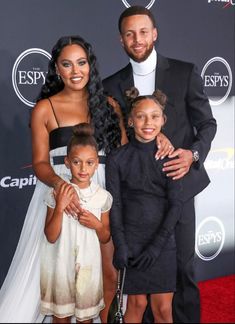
[[40, 146], [40, 125]]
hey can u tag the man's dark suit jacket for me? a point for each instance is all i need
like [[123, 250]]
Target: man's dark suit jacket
[[190, 123]]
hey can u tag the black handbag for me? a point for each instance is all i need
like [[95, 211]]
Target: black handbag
[[115, 313]]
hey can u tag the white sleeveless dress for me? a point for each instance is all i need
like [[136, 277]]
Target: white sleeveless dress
[[20, 292], [71, 268]]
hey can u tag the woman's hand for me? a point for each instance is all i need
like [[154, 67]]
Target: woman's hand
[[73, 208], [178, 167], [63, 196], [165, 147]]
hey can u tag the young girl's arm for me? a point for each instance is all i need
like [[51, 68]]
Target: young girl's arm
[[104, 232], [54, 217], [100, 226], [53, 224]]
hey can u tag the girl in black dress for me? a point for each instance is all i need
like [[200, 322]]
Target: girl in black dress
[[145, 210]]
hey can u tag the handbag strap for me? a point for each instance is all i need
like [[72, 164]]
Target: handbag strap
[[120, 286]]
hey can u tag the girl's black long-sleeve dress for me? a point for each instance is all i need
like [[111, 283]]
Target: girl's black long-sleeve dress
[[146, 207]]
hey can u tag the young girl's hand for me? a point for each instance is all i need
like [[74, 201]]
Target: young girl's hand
[[64, 196], [86, 218]]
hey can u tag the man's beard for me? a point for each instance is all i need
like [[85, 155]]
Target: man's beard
[[143, 57]]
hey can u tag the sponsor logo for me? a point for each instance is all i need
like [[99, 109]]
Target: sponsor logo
[[228, 3], [9, 182], [210, 237], [220, 159], [217, 77], [147, 4], [29, 73]]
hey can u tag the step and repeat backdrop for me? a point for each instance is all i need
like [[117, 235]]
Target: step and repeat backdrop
[[196, 31]]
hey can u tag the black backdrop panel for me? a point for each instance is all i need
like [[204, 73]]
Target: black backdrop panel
[[191, 30]]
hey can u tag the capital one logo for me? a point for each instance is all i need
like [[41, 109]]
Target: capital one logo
[[9, 182], [146, 3], [217, 77], [220, 159], [29, 73], [210, 237], [228, 2]]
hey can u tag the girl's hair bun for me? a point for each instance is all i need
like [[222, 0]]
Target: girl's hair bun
[[83, 129], [83, 134], [161, 97], [132, 93]]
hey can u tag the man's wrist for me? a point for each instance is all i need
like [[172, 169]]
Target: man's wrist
[[195, 155]]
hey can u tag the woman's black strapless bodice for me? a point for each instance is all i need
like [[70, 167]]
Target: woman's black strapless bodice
[[60, 136]]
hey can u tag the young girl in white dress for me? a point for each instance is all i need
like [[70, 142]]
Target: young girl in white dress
[[71, 267]]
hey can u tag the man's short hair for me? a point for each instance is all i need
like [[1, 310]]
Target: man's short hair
[[135, 10]]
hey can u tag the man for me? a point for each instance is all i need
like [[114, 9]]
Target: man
[[190, 127]]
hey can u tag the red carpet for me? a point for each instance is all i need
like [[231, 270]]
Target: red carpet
[[218, 300]]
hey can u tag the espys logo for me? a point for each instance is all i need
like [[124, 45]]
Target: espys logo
[[210, 237], [29, 73], [217, 76], [145, 3]]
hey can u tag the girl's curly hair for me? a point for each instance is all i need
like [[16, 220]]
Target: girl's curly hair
[[133, 97]]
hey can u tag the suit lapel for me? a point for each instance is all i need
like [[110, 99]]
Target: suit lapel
[[161, 70], [127, 80], [164, 83]]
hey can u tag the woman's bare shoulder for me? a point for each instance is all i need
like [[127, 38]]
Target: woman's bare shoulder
[[42, 104], [41, 111], [42, 107]]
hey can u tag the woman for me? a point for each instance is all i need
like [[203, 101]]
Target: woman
[[72, 94]]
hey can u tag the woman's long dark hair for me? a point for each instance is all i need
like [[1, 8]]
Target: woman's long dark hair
[[103, 118]]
